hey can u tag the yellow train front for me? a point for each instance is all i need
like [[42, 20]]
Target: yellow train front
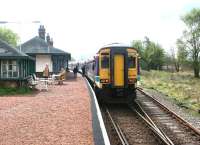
[[114, 72]]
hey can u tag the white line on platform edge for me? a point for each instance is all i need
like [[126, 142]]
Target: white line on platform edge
[[103, 129]]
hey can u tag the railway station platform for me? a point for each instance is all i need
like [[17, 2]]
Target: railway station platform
[[65, 114]]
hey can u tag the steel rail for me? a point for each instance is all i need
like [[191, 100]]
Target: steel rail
[[151, 124], [117, 129], [173, 113]]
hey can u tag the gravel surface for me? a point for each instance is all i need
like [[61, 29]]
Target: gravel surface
[[176, 131], [60, 116], [195, 121], [112, 134], [133, 127], [135, 130]]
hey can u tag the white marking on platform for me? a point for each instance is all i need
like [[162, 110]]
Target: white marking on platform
[[103, 129]]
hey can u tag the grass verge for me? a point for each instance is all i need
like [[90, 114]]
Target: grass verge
[[182, 88], [15, 91]]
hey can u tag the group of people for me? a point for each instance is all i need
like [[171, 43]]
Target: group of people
[[61, 73], [75, 70]]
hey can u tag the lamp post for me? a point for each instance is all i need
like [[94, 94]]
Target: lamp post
[[20, 23]]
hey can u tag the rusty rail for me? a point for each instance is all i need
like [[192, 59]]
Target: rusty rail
[[173, 113]]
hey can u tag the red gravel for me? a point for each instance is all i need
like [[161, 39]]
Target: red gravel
[[60, 116]]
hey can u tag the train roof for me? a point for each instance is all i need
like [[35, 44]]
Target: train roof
[[116, 45]]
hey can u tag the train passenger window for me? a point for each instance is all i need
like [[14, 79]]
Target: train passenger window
[[104, 62], [131, 62], [93, 66]]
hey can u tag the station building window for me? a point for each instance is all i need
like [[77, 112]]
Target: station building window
[[9, 69]]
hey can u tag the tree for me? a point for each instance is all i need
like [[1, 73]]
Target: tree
[[168, 61], [192, 37], [157, 58], [182, 53], [138, 44], [144, 52], [147, 57], [152, 54], [9, 36], [175, 60]]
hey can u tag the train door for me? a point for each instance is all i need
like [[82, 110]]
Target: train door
[[118, 70]]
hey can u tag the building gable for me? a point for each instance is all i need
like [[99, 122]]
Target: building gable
[[37, 45], [8, 51]]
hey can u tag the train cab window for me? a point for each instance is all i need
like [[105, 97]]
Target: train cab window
[[93, 66], [104, 62], [131, 62]]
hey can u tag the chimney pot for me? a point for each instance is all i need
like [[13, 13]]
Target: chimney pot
[[48, 38], [41, 32], [51, 42]]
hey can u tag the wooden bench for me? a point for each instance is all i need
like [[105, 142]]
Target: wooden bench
[[31, 82], [40, 83], [61, 79]]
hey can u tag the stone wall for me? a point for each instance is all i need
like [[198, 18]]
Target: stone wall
[[10, 84]]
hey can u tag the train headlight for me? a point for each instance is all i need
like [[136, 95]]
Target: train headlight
[[104, 80], [107, 80], [131, 80]]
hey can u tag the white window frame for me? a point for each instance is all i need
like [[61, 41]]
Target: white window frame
[[7, 69]]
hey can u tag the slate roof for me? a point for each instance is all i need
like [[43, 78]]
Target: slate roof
[[7, 51], [36, 45]]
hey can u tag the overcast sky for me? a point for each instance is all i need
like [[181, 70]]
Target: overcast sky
[[81, 27]]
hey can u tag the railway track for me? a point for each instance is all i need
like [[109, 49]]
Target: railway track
[[126, 127], [178, 130]]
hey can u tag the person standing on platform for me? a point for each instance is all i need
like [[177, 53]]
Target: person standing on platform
[[46, 71], [83, 70], [75, 71]]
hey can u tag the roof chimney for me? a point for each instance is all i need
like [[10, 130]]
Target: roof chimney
[[48, 38], [51, 42], [41, 32]]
